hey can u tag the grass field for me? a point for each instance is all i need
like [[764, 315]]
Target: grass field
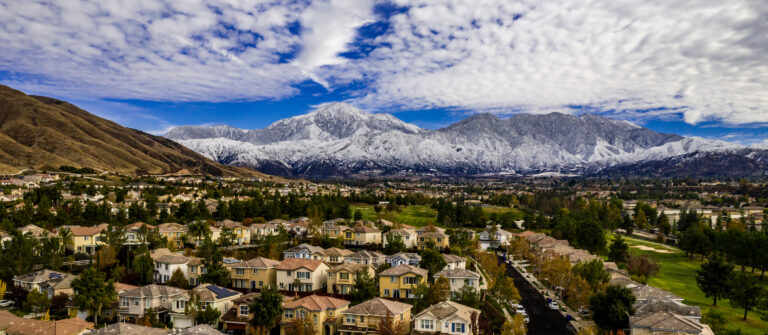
[[415, 215], [678, 275]]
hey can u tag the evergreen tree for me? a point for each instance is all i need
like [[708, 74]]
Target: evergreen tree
[[365, 288], [713, 277], [93, 292], [618, 250]]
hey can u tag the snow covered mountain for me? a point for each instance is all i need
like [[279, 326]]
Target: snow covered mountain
[[340, 140]]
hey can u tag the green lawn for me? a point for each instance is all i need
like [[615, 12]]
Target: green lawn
[[415, 215], [678, 275]]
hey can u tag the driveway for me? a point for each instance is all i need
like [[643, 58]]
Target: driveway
[[542, 319]]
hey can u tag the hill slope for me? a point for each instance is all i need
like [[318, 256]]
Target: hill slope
[[41, 132]]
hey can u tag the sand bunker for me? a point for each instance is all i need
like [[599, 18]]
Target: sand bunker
[[647, 248]]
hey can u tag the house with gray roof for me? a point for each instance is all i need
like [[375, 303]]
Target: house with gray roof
[[401, 258]]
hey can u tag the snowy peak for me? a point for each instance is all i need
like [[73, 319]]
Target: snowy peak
[[195, 132]]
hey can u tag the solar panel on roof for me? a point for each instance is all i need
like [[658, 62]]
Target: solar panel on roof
[[221, 292], [54, 276], [230, 260]]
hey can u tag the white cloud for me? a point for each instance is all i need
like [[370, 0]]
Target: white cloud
[[707, 60]]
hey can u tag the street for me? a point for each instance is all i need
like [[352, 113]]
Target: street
[[542, 319]]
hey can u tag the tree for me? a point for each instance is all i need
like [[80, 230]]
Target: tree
[[746, 292], [358, 215], [216, 273], [640, 219], [643, 266], [557, 270], [92, 292], [207, 315], [3, 287], [178, 280], [612, 308], [66, 238], [266, 309], [695, 241], [505, 288], [715, 320], [468, 296], [394, 244], [144, 268], [300, 326], [433, 261], [515, 327], [388, 325], [618, 250], [150, 319], [593, 272], [365, 288], [36, 302], [713, 277]]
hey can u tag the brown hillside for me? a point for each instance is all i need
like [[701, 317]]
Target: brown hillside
[[40, 131]]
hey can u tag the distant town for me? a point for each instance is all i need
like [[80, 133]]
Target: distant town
[[84, 252]]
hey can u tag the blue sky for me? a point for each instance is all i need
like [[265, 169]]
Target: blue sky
[[696, 69]]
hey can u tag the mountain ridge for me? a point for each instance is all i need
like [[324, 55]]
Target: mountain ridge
[[339, 140]]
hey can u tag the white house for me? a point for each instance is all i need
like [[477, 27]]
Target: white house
[[446, 317]]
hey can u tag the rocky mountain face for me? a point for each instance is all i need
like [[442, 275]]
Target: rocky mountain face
[[46, 133], [338, 140]]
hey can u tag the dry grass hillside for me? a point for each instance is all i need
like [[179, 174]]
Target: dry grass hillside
[[40, 132]]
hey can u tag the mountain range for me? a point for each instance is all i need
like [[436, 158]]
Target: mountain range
[[45, 133], [339, 140]]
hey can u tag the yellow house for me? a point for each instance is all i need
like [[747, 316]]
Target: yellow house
[[336, 255], [341, 278], [364, 318], [334, 231], [324, 312], [398, 282], [86, 239], [173, 232], [440, 240], [242, 233], [362, 235], [254, 273]]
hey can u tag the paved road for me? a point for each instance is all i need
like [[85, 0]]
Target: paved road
[[543, 320]]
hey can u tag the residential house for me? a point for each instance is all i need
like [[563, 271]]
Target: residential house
[[401, 258], [237, 319], [306, 251], [337, 255], [43, 281], [334, 231], [364, 318], [445, 317], [122, 328], [459, 278], [208, 295], [11, 324], [311, 274], [441, 240], [133, 234], [254, 274], [430, 229], [342, 278], [167, 264], [4, 237], [34, 231], [454, 262], [173, 232], [265, 229], [195, 269], [362, 235], [408, 236], [399, 282], [242, 233], [135, 302], [663, 323], [324, 312], [86, 239], [500, 237], [366, 257]]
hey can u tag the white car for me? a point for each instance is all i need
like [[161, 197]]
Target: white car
[[553, 305], [6, 303], [520, 310]]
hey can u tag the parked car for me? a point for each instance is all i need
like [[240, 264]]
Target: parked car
[[520, 310], [6, 303], [554, 306]]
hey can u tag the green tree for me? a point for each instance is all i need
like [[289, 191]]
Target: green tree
[[216, 273], [36, 302], [358, 215], [593, 272], [612, 308], [746, 292], [619, 250], [365, 288], [208, 315], [713, 277], [178, 280], [468, 296], [641, 221], [394, 244], [266, 309], [715, 320], [433, 261], [93, 292], [144, 268]]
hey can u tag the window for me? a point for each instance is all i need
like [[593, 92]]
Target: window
[[386, 292], [302, 313], [446, 326], [166, 266], [86, 238], [315, 318], [288, 314], [289, 273], [344, 289], [409, 280], [135, 302], [181, 304], [457, 327], [427, 324], [240, 271], [193, 269], [334, 259], [362, 319], [261, 283], [330, 275], [344, 276], [393, 279], [255, 271], [147, 303], [302, 275], [243, 309], [350, 319], [453, 281], [125, 302]]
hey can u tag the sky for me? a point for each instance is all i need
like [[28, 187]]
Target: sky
[[694, 68]]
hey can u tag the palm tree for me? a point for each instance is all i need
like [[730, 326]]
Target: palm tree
[[66, 238]]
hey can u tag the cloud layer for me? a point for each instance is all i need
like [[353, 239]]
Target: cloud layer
[[699, 60]]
